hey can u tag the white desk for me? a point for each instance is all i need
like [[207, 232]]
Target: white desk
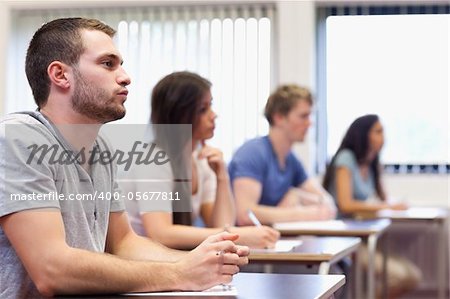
[[322, 251], [369, 230], [271, 286]]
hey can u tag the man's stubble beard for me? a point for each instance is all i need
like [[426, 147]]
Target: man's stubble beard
[[95, 102]]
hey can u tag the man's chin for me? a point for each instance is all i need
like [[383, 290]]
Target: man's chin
[[115, 116]]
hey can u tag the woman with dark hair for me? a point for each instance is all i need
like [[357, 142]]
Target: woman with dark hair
[[353, 176], [185, 98]]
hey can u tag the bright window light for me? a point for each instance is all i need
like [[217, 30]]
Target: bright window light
[[395, 66]]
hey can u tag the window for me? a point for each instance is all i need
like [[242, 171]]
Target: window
[[230, 45], [396, 66]]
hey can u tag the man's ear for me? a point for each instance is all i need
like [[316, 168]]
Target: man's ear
[[58, 74], [277, 118]]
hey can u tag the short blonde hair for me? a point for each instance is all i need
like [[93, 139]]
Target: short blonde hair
[[284, 98]]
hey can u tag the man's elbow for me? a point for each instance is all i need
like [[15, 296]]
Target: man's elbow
[[47, 281], [45, 287], [51, 276]]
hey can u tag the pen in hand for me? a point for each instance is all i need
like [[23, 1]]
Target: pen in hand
[[253, 218]]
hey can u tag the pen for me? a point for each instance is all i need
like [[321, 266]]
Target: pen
[[253, 218]]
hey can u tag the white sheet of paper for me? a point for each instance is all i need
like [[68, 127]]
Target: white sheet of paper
[[281, 246], [414, 212], [310, 225], [218, 290]]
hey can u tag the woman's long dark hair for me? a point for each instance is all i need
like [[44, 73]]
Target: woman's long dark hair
[[356, 139], [176, 99]]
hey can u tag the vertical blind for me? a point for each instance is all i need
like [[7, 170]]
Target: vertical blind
[[231, 45]]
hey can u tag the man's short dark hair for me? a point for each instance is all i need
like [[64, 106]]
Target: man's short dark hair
[[58, 40]]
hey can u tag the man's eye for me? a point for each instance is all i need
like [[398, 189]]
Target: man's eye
[[108, 63]]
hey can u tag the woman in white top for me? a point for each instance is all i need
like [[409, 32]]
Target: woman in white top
[[185, 98]]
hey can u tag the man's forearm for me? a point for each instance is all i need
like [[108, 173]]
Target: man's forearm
[[269, 215], [135, 247], [104, 273]]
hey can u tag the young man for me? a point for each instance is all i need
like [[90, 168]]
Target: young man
[[84, 246], [267, 178]]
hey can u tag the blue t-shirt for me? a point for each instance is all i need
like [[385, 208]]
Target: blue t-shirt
[[362, 188], [256, 159]]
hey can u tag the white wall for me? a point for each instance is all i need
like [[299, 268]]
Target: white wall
[[296, 64], [419, 189], [4, 29], [296, 57]]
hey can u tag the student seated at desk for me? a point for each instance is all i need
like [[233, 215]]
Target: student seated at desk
[[353, 176], [266, 176], [268, 179], [54, 243], [185, 98]]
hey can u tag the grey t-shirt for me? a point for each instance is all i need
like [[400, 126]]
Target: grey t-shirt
[[69, 189]]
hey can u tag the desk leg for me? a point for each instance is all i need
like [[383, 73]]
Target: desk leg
[[324, 268], [357, 277], [372, 250], [442, 260], [385, 248], [268, 268]]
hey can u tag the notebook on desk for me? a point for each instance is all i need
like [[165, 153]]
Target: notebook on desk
[[413, 212], [309, 225], [280, 246]]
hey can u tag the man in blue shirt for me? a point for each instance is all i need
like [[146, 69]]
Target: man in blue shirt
[[266, 176]]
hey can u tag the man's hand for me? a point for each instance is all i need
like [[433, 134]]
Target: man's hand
[[242, 252], [290, 199], [314, 213], [213, 262], [325, 212], [257, 236]]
